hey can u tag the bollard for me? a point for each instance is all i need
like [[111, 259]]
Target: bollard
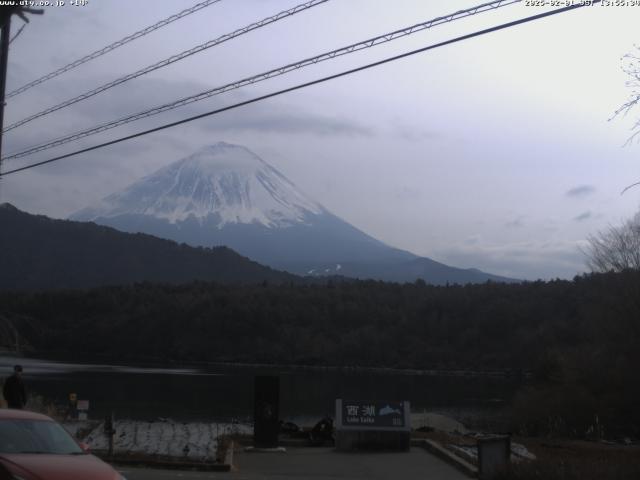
[[73, 404], [266, 411], [109, 430], [494, 456]]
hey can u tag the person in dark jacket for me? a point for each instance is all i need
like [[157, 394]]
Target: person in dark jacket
[[14, 390]]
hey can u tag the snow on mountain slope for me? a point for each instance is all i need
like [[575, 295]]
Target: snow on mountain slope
[[224, 180], [226, 195]]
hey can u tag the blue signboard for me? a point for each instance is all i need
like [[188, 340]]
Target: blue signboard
[[359, 413]]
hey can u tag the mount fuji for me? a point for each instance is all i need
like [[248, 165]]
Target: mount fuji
[[225, 194]]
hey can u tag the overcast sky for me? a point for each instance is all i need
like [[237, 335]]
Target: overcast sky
[[494, 153]]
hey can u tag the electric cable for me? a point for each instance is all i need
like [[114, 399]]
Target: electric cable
[[17, 34], [371, 42], [305, 85], [168, 61], [112, 46]]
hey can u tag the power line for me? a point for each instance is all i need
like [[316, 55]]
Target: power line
[[168, 61], [5, 25], [17, 34], [305, 85], [371, 42], [629, 187], [113, 46]]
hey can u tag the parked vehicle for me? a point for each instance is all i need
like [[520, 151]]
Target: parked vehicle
[[35, 447]]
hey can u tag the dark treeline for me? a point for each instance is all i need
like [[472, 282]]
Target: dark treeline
[[363, 323], [580, 338], [82, 255]]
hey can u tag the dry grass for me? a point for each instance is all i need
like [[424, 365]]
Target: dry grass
[[560, 459], [226, 441], [446, 440], [37, 403]]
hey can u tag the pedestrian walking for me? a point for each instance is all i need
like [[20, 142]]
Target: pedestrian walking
[[14, 390]]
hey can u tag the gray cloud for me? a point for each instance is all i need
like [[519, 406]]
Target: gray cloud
[[274, 116], [405, 193], [515, 223], [526, 260], [473, 240], [263, 117], [146, 93], [412, 133], [277, 116], [581, 191], [287, 120], [583, 216]]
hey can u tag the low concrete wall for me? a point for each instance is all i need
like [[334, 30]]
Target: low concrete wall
[[347, 440], [462, 465], [151, 461]]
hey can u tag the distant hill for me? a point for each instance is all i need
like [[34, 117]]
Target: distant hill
[[37, 252], [225, 194]]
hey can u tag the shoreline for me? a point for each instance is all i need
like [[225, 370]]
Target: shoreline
[[160, 365]]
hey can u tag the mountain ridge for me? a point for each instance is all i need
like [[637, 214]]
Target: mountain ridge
[[38, 252]]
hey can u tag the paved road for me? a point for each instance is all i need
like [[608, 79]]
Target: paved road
[[319, 464], [151, 474]]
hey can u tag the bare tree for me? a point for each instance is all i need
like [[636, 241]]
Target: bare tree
[[631, 66], [617, 248]]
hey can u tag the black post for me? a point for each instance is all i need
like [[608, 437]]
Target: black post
[[110, 431], [266, 418], [4, 57]]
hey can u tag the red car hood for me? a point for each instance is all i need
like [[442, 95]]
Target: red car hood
[[58, 467]]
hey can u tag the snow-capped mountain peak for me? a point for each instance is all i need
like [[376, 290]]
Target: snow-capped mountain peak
[[224, 194], [223, 183]]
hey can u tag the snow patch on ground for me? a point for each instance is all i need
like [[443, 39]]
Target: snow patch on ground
[[196, 440], [438, 422], [518, 451]]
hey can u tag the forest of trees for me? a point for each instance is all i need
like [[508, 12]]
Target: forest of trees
[[365, 323], [82, 254], [578, 338]]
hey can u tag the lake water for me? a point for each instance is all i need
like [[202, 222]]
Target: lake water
[[226, 392]]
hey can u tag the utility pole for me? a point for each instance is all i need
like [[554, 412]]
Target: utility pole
[[4, 57], [5, 39]]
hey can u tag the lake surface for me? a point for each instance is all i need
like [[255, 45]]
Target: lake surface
[[226, 392]]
